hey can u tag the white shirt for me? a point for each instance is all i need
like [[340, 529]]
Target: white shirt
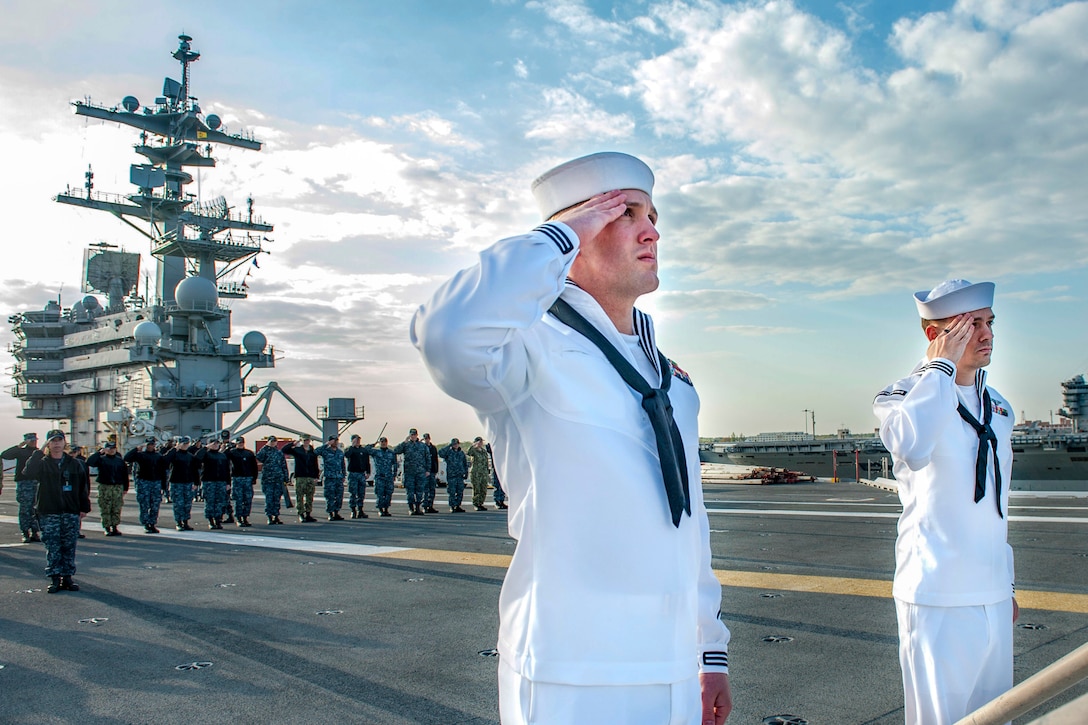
[[950, 551], [602, 588]]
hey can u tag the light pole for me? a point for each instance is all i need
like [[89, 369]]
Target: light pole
[[806, 411]]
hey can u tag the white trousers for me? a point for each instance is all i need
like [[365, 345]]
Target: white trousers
[[524, 702], [954, 659]]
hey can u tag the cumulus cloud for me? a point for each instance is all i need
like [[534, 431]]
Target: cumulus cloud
[[576, 17], [570, 117], [832, 175]]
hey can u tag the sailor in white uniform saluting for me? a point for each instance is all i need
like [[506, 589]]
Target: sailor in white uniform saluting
[[949, 436], [609, 613]]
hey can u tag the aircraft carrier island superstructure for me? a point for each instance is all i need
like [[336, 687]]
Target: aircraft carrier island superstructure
[[160, 364]]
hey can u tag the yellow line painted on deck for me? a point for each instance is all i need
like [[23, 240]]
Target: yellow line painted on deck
[[1027, 599], [441, 556], [803, 583]]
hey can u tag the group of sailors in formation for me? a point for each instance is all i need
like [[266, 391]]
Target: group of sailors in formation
[[222, 472]]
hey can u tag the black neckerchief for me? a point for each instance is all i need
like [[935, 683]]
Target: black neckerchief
[[655, 401], [985, 434]]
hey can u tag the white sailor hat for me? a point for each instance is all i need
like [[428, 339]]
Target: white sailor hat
[[954, 297], [575, 181]]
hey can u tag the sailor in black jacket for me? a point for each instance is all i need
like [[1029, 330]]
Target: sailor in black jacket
[[26, 489], [184, 478], [64, 497], [149, 472], [306, 475], [243, 463], [215, 473], [112, 485], [358, 462]]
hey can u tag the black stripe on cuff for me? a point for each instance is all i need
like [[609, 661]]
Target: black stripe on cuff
[[565, 245], [716, 659], [940, 365]]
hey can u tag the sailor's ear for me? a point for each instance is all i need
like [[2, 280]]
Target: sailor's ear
[[932, 332]]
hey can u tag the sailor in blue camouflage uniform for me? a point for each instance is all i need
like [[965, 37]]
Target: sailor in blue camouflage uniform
[[332, 471], [243, 464], [147, 464], [215, 473], [26, 489], [273, 477], [429, 481], [417, 461], [385, 470], [456, 470], [358, 462], [184, 480], [64, 497]]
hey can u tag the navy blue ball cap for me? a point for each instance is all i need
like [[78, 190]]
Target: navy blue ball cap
[[55, 433]]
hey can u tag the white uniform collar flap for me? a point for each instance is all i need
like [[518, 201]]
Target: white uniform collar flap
[[643, 324]]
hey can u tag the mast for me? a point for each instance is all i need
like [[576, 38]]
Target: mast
[[184, 235], [160, 365]]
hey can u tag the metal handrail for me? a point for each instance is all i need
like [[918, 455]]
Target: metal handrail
[[1034, 691]]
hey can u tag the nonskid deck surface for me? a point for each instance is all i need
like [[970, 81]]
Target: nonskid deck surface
[[384, 620]]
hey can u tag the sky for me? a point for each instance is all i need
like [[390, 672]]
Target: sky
[[817, 163]]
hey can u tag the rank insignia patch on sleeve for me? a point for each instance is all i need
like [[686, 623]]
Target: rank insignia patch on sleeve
[[679, 373]]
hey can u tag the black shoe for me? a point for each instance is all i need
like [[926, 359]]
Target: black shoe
[[415, 512], [117, 531], [430, 510], [54, 587], [385, 513], [179, 526], [81, 535], [185, 525], [147, 528], [67, 583], [109, 532], [336, 516], [362, 515], [229, 518], [457, 510], [481, 508], [354, 512], [501, 505], [34, 537], [278, 520], [26, 538], [310, 519], [271, 520], [211, 524], [152, 529]]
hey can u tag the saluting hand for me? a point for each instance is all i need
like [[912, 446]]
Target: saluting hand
[[952, 341], [589, 218]]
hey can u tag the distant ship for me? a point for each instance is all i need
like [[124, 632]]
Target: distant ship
[[1051, 458]]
